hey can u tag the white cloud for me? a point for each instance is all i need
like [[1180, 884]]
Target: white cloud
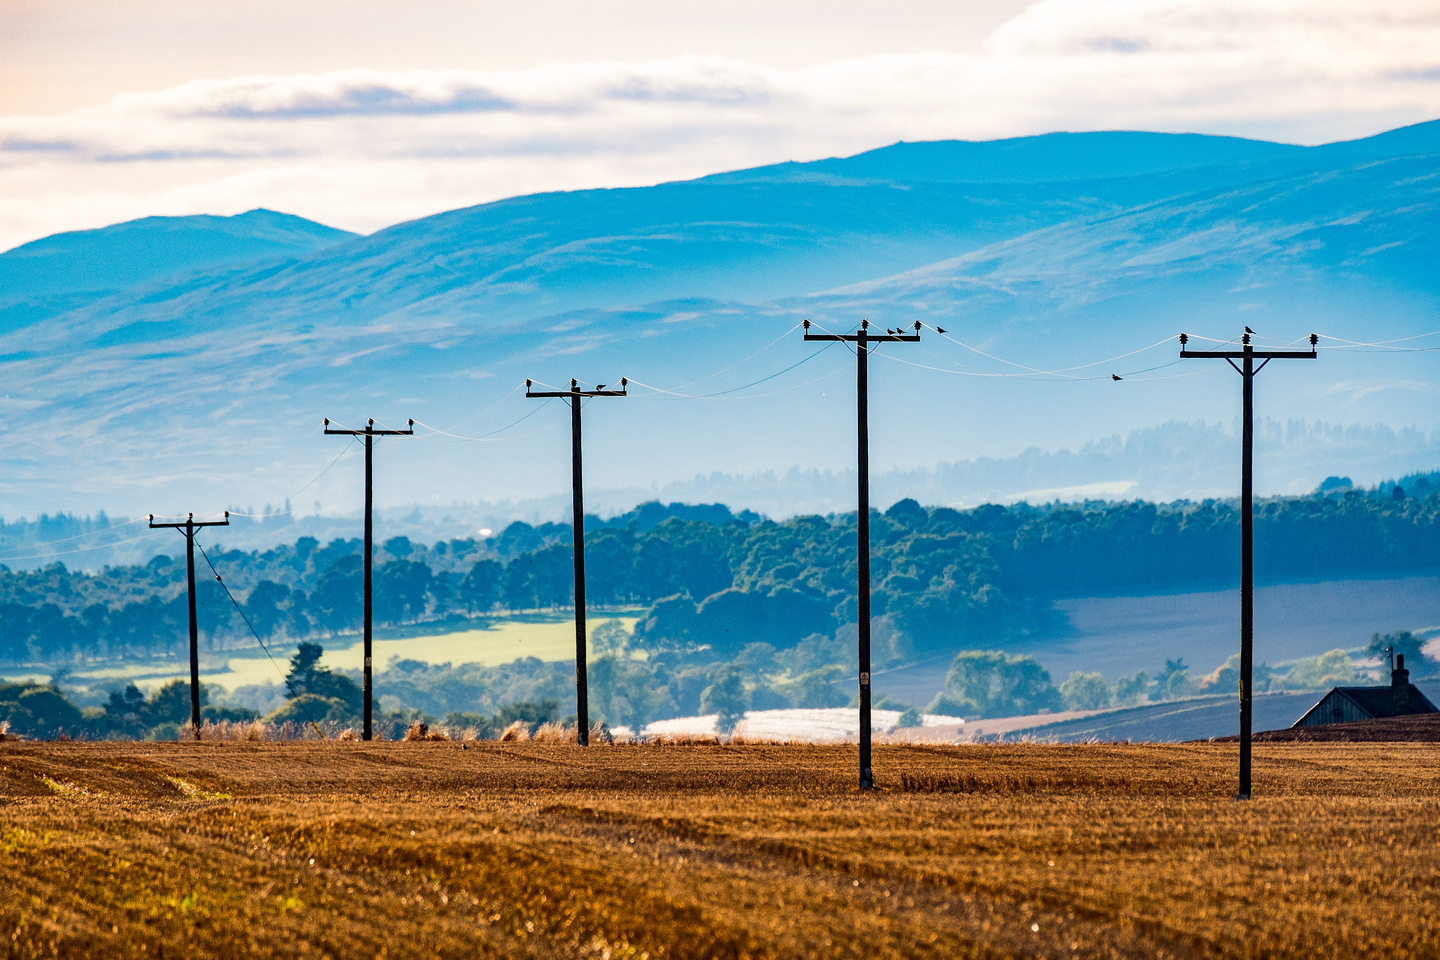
[[362, 149]]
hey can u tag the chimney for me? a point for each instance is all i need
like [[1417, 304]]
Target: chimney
[[1400, 686]]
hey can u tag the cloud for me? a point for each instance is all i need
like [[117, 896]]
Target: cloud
[[1359, 389], [364, 148]]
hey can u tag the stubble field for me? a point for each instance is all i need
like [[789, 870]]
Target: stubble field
[[548, 850]]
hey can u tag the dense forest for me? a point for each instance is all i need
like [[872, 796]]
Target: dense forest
[[947, 579]]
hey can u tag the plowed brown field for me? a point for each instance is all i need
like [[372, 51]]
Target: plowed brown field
[[398, 849]]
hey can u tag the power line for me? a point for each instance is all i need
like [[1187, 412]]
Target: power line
[[752, 396], [711, 376], [477, 416], [574, 396], [96, 532], [188, 528], [1382, 346], [78, 550], [369, 433], [283, 675], [1247, 370], [862, 339], [725, 394], [486, 436]]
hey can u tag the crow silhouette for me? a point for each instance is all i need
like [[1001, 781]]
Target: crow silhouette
[[1248, 330], [939, 329], [1116, 377]]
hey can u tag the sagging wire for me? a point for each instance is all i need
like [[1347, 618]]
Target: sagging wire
[[1382, 346], [71, 553], [284, 676], [482, 413], [724, 394], [1086, 366], [1032, 373], [737, 363], [991, 356], [96, 533], [316, 479], [322, 473], [774, 393], [491, 434]]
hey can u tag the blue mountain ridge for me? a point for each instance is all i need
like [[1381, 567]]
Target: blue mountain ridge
[[1077, 247], [63, 271]]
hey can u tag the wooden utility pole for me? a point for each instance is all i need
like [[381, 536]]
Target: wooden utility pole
[[862, 339], [369, 433], [188, 528], [1247, 370], [577, 496]]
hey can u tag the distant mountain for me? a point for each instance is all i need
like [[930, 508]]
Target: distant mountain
[[67, 269], [1049, 158], [1049, 252]]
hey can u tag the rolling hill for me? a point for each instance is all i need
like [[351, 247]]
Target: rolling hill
[[61, 272], [202, 379]]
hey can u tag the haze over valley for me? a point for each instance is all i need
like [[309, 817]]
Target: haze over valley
[[166, 356]]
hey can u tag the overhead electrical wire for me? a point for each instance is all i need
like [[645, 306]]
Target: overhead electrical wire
[[97, 532], [70, 553], [482, 413], [1028, 373], [757, 396], [725, 394], [314, 480], [711, 376], [1382, 346], [488, 436], [238, 609]]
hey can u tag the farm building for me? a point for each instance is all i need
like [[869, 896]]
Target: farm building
[[1348, 704]]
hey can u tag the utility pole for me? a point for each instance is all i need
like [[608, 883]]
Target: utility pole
[[188, 528], [862, 340], [369, 433], [577, 483], [1247, 370]]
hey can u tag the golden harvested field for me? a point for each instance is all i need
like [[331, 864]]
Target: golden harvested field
[[426, 849]]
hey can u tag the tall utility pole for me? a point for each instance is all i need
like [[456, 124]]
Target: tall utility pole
[[577, 493], [369, 433], [188, 528], [862, 340], [1247, 370]]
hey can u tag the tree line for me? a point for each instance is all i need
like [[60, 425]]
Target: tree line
[[945, 579]]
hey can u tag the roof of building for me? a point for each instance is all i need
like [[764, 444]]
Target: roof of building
[[1380, 702]]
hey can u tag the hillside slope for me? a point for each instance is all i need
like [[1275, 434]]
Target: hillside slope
[[62, 271], [438, 318]]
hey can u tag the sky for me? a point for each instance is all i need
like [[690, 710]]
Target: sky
[[363, 113]]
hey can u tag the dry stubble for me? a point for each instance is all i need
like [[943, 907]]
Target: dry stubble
[[425, 849]]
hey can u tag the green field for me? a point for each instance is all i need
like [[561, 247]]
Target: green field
[[544, 636]]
